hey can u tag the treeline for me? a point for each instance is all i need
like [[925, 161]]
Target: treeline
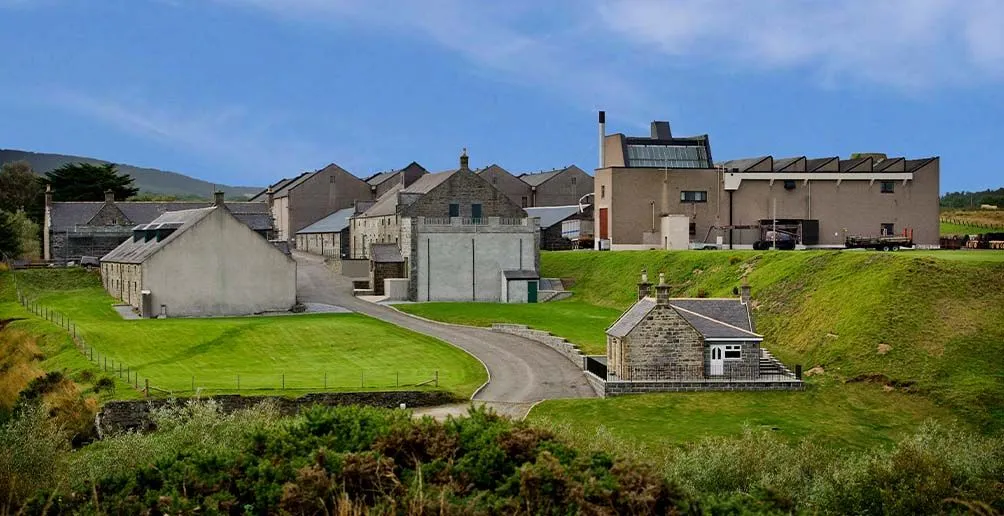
[[359, 460], [963, 200]]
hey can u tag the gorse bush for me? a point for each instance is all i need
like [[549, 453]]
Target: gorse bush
[[33, 456]]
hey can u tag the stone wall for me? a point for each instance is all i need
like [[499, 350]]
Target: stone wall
[[559, 344], [663, 340], [382, 271], [464, 188], [119, 416], [615, 388]]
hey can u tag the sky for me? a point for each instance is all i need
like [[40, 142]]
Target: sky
[[248, 91]]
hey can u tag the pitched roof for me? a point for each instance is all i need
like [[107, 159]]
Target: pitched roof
[[888, 162], [744, 163], [380, 177], [333, 223], [274, 186], [386, 253], [69, 215], [713, 318], [427, 182], [283, 191], [782, 163], [132, 251], [848, 164], [385, 205], [912, 165], [551, 215], [539, 178], [520, 274], [629, 319], [813, 164]]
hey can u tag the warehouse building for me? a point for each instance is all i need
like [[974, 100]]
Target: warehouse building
[[328, 236], [199, 263], [649, 188]]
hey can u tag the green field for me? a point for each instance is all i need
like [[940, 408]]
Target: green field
[[295, 353], [580, 323], [949, 228]]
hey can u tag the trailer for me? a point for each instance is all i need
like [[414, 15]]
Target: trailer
[[879, 243]]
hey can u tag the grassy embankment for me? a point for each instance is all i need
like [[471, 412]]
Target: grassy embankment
[[901, 337], [347, 351]]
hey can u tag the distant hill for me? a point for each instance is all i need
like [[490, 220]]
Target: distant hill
[[148, 180]]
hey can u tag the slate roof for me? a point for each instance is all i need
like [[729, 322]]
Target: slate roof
[[521, 274], [551, 215], [333, 223], [913, 164], [847, 164], [886, 163], [629, 319], [385, 205], [427, 182], [814, 163], [68, 215], [131, 251], [293, 183], [780, 164], [274, 186], [386, 253], [377, 179], [713, 318], [539, 178], [744, 163]]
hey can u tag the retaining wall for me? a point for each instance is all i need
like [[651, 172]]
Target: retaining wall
[[615, 388], [567, 349], [119, 416]]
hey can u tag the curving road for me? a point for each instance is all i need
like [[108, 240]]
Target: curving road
[[522, 371]]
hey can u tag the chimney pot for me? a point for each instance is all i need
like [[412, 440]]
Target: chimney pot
[[662, 291], [109, 196], [218, 198], [744, 291], [644, 287], [48, 196]]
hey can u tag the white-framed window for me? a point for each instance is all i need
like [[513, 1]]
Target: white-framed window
[[693, 196], [733, 352]]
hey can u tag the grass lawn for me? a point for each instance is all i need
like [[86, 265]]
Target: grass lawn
[[949, 228], [963, 255], [855, 415], [581, 323], [347, 351]]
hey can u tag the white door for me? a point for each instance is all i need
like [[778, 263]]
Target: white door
[[717, 360]]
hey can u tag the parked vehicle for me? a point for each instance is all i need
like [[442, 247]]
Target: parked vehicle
[[782, 240], [879, 243]]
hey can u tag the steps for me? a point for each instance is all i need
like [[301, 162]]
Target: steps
[[770, 366], [551, 289]]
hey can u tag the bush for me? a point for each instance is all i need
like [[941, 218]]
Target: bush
[[33, 456], [105, 383]]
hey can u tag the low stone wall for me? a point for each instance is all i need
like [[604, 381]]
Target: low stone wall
[[615, 388], [350, 268], [569, 350], [119, 416]]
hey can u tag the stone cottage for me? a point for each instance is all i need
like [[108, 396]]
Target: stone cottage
[[664, 339], [198, 263]]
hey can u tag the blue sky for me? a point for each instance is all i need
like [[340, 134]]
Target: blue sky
[[247, 91]]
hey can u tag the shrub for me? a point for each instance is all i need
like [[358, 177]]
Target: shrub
[[105, 383], [735, 259], [33, 456]]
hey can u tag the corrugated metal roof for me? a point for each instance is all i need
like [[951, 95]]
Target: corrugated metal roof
[[538, 178], [333, 223], [551, 215]]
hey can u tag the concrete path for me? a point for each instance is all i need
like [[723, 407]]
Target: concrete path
[[522, 371]]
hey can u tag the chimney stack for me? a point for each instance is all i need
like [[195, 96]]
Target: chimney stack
[[603, 135], [464, 160], [48, 196], [269, 197], [644, 286], [218, 198], [744, 291], [661, 130], [109, 196], [662, 291]]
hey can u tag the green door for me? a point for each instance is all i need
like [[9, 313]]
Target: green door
[[531, 292]]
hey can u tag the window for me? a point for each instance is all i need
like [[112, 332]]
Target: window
[[475, 211], [603, 191], [573, 180], [671, 156], [693, 228], [523, 202], [888, 187], [454, 209], [733, 352], [888, 229], [789, 184], [495, 180], [693, 196]]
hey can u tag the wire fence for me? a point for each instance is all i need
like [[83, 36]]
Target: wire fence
[[338, 380]]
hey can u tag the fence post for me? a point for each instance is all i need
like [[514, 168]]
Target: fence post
[[193, 383], [238, 383], [283, 381], [146, 391], [325, 380], [106, 363], [437, 377], [361, 381], [397, 379], [136, 381], [798, 371]]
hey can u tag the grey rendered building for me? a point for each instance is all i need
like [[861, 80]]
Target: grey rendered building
[[198, 263]]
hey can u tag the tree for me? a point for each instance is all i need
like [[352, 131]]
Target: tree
[[10, 245], [86, 182], [20, 188], [27, 233]]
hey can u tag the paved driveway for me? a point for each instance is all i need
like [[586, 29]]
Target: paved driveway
[[522, 371]]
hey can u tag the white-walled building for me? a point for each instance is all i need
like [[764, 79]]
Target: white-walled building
[[198, 263]]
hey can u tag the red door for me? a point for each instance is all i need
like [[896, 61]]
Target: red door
[[603, 223]]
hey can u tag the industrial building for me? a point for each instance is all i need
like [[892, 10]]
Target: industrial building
[[199, 263], [664, 191]]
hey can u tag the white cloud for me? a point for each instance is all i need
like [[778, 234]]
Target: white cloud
[[901, 43], [229, 136]]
